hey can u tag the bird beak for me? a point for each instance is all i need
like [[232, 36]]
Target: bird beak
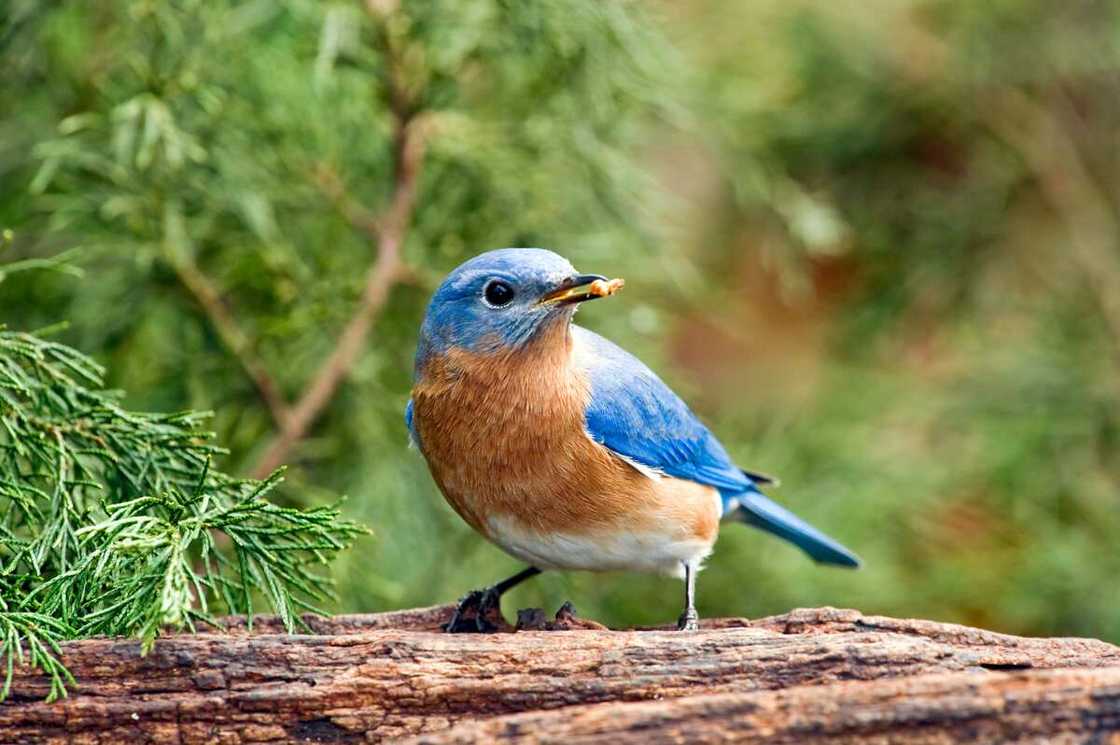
[[580, 288]]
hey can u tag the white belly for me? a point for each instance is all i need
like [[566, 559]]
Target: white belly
[[649, 550]]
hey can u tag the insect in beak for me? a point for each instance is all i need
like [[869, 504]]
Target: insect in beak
[[581, 288]]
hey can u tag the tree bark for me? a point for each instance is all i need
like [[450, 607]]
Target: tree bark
[[809, 676]]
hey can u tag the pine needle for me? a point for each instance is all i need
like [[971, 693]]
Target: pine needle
[[109, 520]]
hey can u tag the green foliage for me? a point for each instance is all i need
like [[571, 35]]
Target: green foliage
[[32, 639], [249, 142], [874, 246], [112, 522], [916, 205]]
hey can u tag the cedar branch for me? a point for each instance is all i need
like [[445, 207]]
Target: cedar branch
[[387, 230], [231, 336], [360, 218], [387, 270]]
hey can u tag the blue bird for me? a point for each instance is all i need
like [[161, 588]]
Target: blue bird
[[562, 448]]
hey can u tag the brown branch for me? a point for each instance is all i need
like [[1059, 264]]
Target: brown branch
[[809, 676], [231, 336], [387, 270], [360, 218], [387, 230], [365, 221]]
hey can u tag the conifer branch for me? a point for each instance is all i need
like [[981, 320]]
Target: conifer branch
[[387, 270], [360, 218], [113, 522], [387, 230], [232, 336]]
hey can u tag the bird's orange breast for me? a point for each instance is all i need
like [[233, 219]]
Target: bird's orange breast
[[505, 437]]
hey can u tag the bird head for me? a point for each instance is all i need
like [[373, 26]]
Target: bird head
[[501, 299]]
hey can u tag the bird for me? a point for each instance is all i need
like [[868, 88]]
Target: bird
[[563, 449]]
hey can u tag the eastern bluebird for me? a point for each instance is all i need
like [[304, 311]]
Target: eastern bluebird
[[563, 449]]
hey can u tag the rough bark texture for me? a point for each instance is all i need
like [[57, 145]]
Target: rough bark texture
[[807, 676]]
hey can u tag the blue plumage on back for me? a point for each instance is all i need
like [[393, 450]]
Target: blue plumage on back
[[634, 414]]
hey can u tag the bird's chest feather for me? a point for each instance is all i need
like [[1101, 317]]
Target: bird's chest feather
[[505, 434]]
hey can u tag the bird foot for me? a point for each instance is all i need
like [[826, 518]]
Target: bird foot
[[566, 614], [478, 612], [534, 619], [689, 620]]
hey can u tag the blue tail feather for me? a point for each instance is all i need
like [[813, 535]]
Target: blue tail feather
[[756, 509]]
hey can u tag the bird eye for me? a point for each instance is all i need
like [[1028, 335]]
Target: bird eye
[[498, 293]]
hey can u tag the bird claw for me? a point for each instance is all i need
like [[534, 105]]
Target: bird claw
[[471, 615], [689, 620], [532, 619], [566, 614]]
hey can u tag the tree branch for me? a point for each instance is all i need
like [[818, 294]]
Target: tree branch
[[387, 230], [360, 218], [387, 270], [231, 336]]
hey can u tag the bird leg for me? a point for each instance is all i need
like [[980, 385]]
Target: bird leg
[[471, 616], [690, 619]]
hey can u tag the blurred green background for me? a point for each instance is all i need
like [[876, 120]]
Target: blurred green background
[[876, 245]]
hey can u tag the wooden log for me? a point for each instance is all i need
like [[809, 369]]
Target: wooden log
[[1045, 706], [827, 674]]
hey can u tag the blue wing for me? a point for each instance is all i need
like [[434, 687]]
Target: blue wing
[[634, 414]]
